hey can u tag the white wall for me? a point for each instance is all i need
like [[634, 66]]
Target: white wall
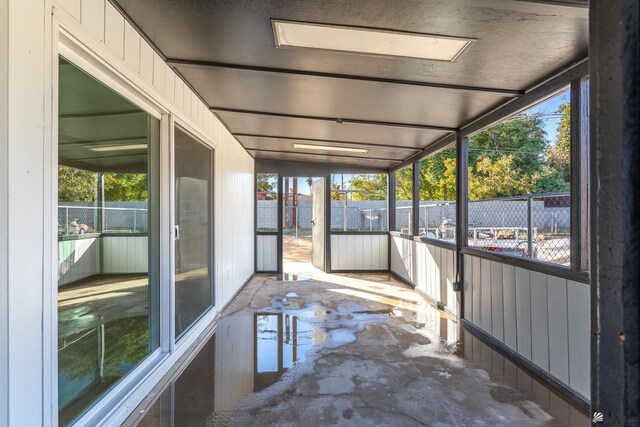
[[81, 259], [234, 216], [25, 153], [359, 252], [544, 318], [431, 269], [28, 64], [267, 253]]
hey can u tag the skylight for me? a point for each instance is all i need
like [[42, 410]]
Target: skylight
[[368, 41]]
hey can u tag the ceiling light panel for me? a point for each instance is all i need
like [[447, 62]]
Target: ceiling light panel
[[329, 148], [120, 148], [368, 41]]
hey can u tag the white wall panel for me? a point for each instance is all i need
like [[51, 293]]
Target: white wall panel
[[267, 253], [158, 73], [523, 311], [82, 259], [114, 30], [468, 289], [131, 47], [558, 328], [146, 62], [125, 254], [509, 306], [485, 280], [72, 7], [477, 290], [359, 252], [26, 228], [539, 320], [543, 317], [432, 269], [93, 17], [578, 297], [497, 309]]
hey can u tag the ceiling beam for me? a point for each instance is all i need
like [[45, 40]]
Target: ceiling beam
[[334, 119], [343, 156], [359, 144], [219, 65]]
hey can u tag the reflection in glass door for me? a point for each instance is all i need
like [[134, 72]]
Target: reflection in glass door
[[193, 208], [108, 239]]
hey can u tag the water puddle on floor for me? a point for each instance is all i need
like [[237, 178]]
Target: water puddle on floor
[[293, 363], [288, 277], [255, 355]]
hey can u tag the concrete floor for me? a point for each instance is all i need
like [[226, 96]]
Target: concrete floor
[[296, 249], [348, 350]]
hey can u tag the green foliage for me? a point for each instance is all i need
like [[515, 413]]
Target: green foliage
[[76, 185], [522, 137], [404, 184], [489, 179], [373, 187], [125, 187], [268, 183], [511, 158], [438, 176], [559, 155]]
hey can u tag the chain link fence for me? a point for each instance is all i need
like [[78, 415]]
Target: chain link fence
[[74, 220], [534, 226]]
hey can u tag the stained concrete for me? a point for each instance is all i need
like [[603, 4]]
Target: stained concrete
[[351, 350]]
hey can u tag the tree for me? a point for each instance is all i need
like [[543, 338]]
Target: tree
[[268, 183], [124, 187], [371, 187], [76, 185], [558, 172], [489, 179], [522, 137], [518, 146], [436, 173], [404, 184]]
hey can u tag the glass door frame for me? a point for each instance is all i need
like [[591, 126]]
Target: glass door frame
[[186, 128], [66, 45]]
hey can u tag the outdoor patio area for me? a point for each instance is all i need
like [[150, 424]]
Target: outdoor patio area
[[347, 349]]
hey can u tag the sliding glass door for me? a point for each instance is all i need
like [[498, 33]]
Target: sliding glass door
[[193, 221], [108, 239]]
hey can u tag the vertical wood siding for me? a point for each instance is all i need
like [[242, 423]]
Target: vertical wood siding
[[359, 252], [542, 317], [267, 253]]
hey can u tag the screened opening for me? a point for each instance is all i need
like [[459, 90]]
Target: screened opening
[[267, 202], [520, 182], [437, 208], [359, 202], [404, 200]]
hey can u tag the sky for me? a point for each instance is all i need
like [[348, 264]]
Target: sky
[[549, 118]]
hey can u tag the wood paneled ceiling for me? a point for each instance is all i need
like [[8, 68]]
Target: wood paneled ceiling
[[271, 98]]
